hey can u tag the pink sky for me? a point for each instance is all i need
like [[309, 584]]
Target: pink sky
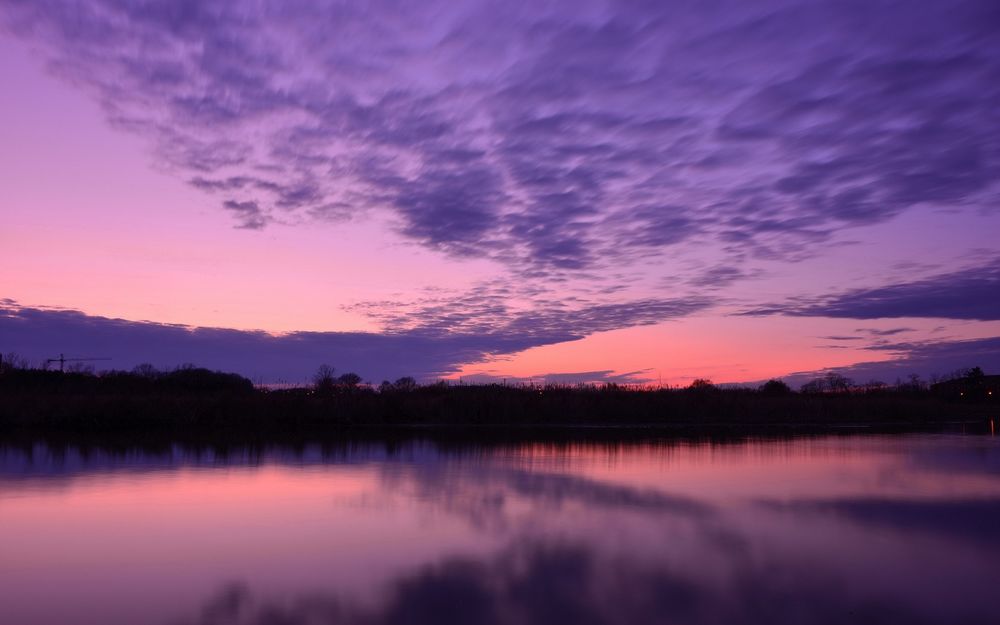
[[95, 219]]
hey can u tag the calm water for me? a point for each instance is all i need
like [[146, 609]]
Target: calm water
[[894, 529]]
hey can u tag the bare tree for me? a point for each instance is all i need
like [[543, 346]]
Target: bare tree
[[13, 360], [837, 383], [323, 380], [146, 370]]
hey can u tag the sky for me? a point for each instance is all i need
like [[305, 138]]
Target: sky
[[633, 191]]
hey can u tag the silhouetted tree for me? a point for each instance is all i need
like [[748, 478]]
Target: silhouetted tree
[[198, 379], [323, 380], [146, 370], [775, 387], [405, 384], [837, 383], [114, 398], [913, 384], [975, 375], [874, 386], [702, 384], [814, 386], [349, 380], [11, 361]]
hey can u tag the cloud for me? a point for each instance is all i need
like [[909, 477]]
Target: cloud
[[249, 214], [642, 376], [605, 376], [886, 332], [556, 139], [531, 314], [430, 344], [720, 276], [967, 294], [925, 359]]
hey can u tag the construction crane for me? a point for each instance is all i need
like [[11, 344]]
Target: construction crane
[[62, 360]]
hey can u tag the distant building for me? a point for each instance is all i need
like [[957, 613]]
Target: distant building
[[972, 387]]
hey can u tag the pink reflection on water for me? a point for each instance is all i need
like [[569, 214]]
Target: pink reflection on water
[[896, 522]]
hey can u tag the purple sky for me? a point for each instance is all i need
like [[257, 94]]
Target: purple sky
[[629, 191]]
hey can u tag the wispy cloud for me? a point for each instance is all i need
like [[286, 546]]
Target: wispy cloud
[[971, 293], [604, 376], [501, 309], [886, 332]]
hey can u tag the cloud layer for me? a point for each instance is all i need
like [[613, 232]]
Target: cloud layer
[[926, 359], [426, 351], [972, 294], [563, 137]]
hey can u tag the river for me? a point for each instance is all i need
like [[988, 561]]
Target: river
[[830, 529]]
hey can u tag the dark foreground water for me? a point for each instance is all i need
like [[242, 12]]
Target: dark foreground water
[[880, 529]]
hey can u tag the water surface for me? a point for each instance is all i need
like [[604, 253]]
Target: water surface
[[860, 529]]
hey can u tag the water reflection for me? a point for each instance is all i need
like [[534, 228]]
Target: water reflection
[[976, 521], [854, 529], [574, 583]]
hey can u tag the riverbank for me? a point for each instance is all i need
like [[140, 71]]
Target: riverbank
[[197, 402], [485, 411]]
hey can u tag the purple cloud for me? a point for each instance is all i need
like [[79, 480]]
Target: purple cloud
[[926, 359], [605, 376], [557, 139], [434, 345], [248, 213], [501, 309], [887, 332], [973, 293]]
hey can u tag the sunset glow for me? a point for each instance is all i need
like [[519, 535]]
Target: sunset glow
[[583, 192]]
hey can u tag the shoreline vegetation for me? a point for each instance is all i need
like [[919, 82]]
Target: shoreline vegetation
[[198, 403]]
